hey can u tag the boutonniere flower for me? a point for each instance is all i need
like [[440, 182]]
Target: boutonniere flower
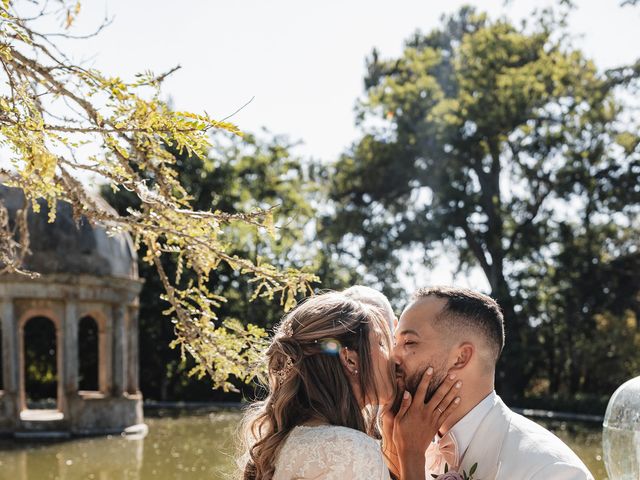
[[453, 475]]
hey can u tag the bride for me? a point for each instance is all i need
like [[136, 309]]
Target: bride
[[329, 370]]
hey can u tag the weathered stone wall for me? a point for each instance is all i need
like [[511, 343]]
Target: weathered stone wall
[[97, 413]]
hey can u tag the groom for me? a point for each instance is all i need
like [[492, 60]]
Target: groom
[[461, 332]]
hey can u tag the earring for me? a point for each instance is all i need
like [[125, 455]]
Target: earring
[[355, 372]]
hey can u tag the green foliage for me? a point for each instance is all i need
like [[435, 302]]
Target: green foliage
[[589, 303], [239, 174], [485, 140]]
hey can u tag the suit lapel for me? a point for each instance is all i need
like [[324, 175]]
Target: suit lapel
[[486, 444]]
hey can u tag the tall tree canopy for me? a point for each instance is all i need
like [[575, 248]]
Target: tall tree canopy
[[484, 138]]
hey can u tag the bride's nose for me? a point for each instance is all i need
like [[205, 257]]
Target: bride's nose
[[396, 357]]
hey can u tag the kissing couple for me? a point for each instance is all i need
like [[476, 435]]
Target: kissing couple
[[353, 393]]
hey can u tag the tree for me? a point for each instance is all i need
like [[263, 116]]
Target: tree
[[59, 119], [237, 175], [481, 139], [590, 305]]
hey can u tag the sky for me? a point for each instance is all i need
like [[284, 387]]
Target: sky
[[301, 64]]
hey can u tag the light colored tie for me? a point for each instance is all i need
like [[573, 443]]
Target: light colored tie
[[440, 452]]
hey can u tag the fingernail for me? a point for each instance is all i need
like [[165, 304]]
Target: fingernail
[[429, 370], [457, 400], [405, 395], [452, 376], [459, 384]]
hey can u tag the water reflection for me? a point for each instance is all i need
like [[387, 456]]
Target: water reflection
[[100, 459], [193, 447]]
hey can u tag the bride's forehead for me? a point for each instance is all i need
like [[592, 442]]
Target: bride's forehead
[[371, 328]]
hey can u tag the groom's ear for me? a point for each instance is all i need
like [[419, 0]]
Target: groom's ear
[[465, 353]]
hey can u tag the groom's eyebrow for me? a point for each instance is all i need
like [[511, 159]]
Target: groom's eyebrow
[[409, 331]]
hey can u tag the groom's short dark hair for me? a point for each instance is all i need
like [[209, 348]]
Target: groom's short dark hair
[[466, 309]]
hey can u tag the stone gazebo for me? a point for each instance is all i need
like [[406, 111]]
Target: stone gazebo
[[85, 275]]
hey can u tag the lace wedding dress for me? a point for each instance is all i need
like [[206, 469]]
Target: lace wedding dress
[[327, 452]]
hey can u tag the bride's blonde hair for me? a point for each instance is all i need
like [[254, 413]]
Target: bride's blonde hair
[[306, 379]]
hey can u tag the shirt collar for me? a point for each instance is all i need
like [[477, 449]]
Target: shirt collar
[[465, 429]]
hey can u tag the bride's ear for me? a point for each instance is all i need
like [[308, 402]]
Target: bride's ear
[[349, 360]]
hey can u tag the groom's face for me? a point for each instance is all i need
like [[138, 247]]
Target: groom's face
[[419, 346]]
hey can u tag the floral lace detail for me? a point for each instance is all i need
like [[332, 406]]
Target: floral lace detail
[[328, 452]]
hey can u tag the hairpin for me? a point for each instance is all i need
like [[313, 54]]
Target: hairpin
[[286, 329], [283, 373]]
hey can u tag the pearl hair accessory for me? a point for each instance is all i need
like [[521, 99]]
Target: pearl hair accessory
[[287, 329], [283, 373]]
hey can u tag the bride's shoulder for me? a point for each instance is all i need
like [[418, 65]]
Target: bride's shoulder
[[332, 434], [330, 452]]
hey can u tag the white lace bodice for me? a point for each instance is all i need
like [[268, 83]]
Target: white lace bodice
[[328, 452]]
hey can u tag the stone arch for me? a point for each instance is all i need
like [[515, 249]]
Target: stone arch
[[40, 361], [39, 312], [88, 354]]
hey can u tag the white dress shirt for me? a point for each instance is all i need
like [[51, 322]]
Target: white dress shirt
[[466, 428]]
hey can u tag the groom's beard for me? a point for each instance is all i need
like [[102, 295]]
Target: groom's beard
[[439, 376]]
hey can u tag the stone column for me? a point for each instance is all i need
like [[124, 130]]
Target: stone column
[[133, 360], [70, 353], [12, 383], [106, 353], [119, 350], [104, 357]]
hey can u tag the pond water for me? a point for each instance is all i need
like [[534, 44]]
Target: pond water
[[187, 447]]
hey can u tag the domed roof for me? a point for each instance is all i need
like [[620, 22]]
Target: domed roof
[[65, 246]]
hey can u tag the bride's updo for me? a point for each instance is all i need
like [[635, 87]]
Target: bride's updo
[[307, 380]]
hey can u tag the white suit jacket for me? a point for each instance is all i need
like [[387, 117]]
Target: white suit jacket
[[507, 446]]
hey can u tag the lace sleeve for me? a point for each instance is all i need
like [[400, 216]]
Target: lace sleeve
[[331, 453]]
